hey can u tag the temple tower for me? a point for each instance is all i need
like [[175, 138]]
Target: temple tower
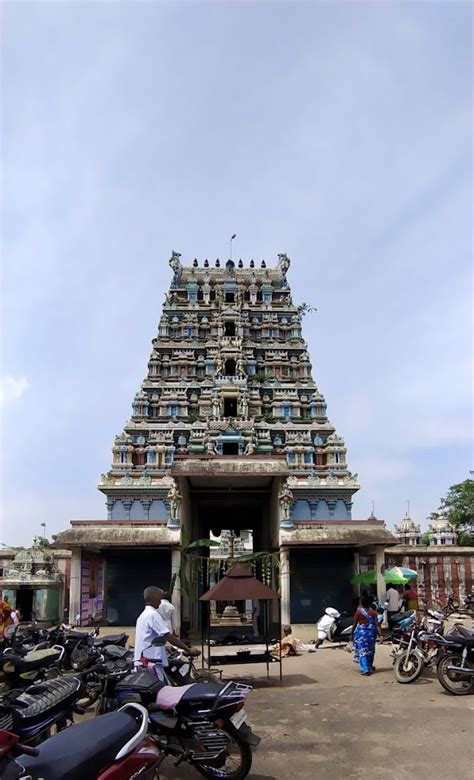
[[230, 431]]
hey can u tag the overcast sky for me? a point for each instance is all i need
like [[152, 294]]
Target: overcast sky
[[339, 133]]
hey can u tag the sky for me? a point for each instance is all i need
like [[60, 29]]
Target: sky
[[340, 133]]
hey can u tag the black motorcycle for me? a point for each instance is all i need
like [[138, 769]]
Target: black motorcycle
[[34, 713], [200, 725], [80, 651], [19, 671], [455, 668]]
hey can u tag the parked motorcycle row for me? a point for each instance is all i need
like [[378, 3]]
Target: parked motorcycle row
[[419, 645], [48, 677]]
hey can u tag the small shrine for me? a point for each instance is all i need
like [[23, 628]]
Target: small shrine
[[408, 532], [33, 584], [440, 532]]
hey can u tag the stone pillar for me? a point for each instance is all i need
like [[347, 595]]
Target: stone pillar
[[331, 502], [313, 505], [127, 505], [380, 569], [75, 586], [176, 595], [355, 570], [109, 504], [146, 504], [285, 585]]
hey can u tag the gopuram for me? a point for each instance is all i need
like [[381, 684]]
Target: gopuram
[[228, 431]]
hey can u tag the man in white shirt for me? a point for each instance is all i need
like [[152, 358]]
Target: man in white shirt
[[150, 626], [168, 613], [392, 602]]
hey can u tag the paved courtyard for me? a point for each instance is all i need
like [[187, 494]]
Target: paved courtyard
[[327, 721]]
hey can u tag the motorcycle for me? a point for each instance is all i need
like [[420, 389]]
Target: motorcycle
[[416, 648], [80, 650], [455, 668], [197, 723], [336, 626], [117, 749], [98, 681], [19, 671], [333, 626], [32, 713]]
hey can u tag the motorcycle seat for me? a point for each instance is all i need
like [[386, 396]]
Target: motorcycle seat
[[112, 651], [111, 639], [83, 750], [200, 692], [142, 682], [466, 641], [71, 634], [44, 698], [35, 660]]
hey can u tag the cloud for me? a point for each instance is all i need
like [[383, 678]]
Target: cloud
[[12, 388]]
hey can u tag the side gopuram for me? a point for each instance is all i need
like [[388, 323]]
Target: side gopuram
[[228, 431]]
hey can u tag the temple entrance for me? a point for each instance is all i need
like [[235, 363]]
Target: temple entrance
[[320, 578], [242, 521], [24, 602], [128, 573]]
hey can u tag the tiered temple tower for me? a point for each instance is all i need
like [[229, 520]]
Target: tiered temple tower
[[229, 430]]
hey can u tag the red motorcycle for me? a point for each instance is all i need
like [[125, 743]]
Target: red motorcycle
[[115, 746]]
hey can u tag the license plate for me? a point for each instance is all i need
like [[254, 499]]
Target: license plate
[[239, 718], [184, 669]]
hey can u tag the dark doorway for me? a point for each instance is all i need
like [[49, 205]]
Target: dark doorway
[[230, 297], [230, 448], [24, 602], [320, 578], [129, 572], [229, 367], [230, 407], [229, 328]]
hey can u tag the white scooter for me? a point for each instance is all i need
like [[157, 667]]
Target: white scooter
[[334, 627]]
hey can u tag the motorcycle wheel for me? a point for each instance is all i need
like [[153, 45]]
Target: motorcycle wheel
[[238, 761], [203, 676], [414, 668], [454, 682]]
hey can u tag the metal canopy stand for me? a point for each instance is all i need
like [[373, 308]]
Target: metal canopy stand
[[239, 584]]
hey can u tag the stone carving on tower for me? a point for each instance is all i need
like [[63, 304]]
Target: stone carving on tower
[[229, 375]]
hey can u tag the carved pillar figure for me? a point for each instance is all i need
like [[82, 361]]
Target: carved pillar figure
[[285, 585], [285, 499], [175, 499]]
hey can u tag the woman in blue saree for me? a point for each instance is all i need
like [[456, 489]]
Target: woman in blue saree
[[365, 629]]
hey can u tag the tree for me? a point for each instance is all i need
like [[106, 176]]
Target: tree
[[458, 506], [425, 539]]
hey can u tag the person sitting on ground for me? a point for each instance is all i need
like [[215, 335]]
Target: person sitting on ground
[[288, 644], [410, 597], [150, 626], [365, 629]]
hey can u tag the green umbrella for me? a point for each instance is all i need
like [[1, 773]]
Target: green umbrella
[[392, 576], [410, 574]]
